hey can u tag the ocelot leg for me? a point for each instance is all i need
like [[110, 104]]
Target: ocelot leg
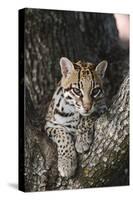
[[84, 135], [67, 159]]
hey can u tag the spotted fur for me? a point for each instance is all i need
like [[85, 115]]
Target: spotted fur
[[78, 95]]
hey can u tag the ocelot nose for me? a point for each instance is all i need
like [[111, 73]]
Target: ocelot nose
[[87, 107]]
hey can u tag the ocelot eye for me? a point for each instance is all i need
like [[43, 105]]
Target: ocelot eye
[[77, 91], [96, 92]]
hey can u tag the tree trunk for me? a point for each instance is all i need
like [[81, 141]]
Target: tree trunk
[[79, 36]]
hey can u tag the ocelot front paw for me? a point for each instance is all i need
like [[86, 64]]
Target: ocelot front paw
[[67, 164], [83, 142]]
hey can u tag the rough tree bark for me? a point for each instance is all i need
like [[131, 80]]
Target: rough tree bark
[[85, 36]]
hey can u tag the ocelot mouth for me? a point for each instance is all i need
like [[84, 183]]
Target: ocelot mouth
[[85, 113]]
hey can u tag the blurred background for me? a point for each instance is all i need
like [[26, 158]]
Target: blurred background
[[122, 22]]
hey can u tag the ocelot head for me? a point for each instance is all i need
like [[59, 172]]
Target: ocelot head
[[82, 84]]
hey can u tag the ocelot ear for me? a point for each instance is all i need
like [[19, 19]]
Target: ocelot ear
[[66, 66], [101, 68]]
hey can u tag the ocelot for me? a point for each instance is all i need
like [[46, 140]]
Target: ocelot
[[78, 95]]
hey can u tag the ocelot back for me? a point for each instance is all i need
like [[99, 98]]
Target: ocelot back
[[79, 94]]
